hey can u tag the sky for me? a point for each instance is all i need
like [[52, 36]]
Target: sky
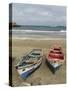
[[34, 14]]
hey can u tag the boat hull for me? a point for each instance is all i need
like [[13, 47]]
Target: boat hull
[[28, 71], [53, 66]]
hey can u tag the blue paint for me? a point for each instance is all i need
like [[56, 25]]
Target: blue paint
[[24, 75]]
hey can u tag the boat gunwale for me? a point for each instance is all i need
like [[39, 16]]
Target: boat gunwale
[[36, 57], [31, 64]]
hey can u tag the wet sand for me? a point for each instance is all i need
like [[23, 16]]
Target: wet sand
[[43, 75]]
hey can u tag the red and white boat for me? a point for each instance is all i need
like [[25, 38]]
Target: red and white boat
[[55, 58]]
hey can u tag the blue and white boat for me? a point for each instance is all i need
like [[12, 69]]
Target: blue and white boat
[[29, 62]]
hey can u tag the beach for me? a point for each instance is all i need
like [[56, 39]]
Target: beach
[[35, 26], [43, 75]]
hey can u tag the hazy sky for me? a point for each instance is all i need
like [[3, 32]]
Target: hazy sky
[[30, 14]]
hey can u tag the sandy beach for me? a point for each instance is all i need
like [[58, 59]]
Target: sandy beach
[[43, 75]]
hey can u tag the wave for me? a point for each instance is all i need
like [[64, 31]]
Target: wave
[[39, 31], [28, 38]]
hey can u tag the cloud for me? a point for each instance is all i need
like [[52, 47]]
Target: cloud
[[30, 14]]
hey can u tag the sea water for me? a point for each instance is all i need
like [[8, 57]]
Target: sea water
[[38, 32]]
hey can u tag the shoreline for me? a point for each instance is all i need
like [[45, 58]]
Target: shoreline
[[27, 38]]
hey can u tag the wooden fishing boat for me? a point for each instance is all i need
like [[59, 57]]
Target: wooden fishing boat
[[29, 62], [55, 58]]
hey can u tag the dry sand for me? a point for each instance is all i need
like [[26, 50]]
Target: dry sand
[[43, 75]]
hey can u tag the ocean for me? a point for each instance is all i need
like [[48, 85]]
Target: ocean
[[38, 32]]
